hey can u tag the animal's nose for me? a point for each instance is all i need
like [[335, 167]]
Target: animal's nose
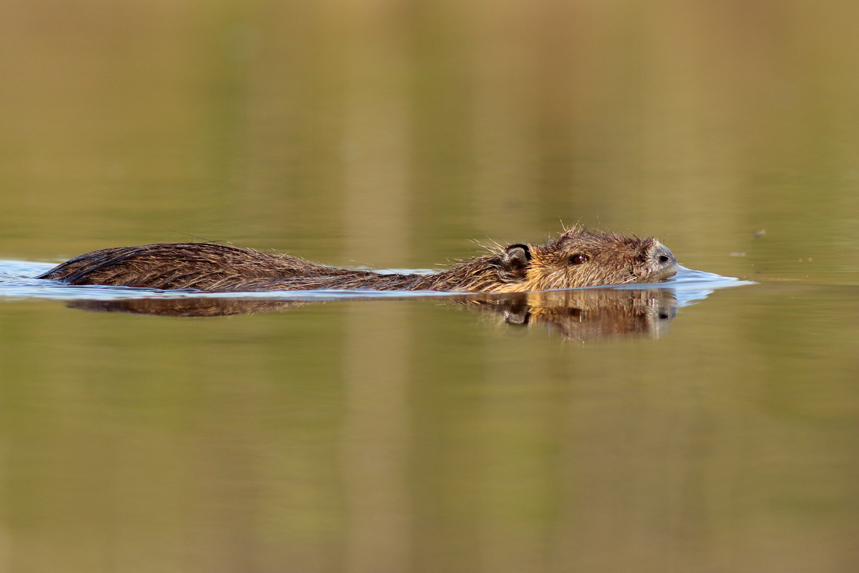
[[664, 256]]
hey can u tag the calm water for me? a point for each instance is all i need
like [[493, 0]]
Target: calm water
[[706, 424]]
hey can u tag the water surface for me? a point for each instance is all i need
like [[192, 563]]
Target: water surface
[[679, 428]]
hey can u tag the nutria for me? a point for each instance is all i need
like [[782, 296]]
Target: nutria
[[576, 258]]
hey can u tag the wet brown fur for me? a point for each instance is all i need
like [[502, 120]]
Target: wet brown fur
[[577, 258]]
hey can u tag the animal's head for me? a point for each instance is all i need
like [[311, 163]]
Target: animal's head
[[580, 258]]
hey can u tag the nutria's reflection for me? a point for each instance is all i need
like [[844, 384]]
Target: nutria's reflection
[[186, 307], [587, 314]]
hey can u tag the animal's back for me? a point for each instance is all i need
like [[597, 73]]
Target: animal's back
[[204, 266]]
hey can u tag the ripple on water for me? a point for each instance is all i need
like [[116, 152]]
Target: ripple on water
[[17, 280]]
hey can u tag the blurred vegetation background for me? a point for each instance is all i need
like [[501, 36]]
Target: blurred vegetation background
[[390, 133]]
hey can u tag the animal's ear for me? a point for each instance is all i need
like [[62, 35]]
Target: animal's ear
[[514, 263]]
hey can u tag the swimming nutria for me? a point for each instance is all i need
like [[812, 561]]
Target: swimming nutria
[[577, 258]]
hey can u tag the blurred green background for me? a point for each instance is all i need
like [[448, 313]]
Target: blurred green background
[[390, 133], [411, 435]]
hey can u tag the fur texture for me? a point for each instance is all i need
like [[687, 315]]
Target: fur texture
[[577, 258]]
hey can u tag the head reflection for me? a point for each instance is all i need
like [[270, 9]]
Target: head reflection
[[588, 314]]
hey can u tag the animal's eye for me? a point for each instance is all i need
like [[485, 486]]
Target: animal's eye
[[579, 259]]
